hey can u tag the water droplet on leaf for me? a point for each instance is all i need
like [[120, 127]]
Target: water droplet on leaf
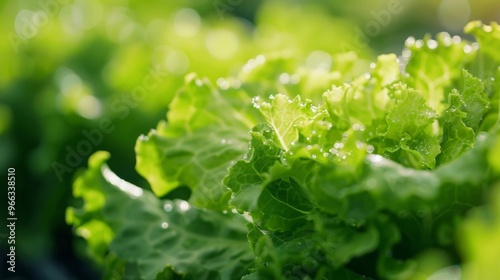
[[168, 207], [184, 206]]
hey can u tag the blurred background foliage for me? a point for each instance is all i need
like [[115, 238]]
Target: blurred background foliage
[[65, 66]]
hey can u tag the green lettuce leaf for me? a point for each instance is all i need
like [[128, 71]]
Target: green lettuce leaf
[[204, 133], [487, 66], [434, 65], [284, 114], [154, 234], [461, 119], [410, 126], [488, 38], [366, 99]]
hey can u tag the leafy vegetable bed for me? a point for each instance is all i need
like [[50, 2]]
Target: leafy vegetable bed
[[389, 175]]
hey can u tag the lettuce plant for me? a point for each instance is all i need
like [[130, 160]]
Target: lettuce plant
[[299, 172]]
